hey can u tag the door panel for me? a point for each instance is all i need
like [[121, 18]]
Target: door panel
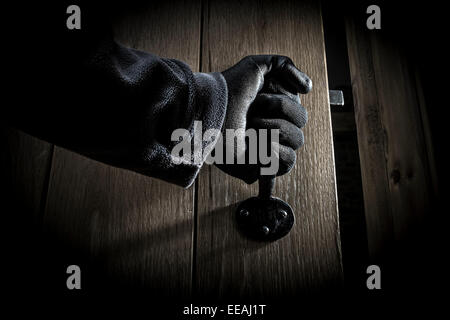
[[140, 232], [397, 164], [136, 230], [309, 257]]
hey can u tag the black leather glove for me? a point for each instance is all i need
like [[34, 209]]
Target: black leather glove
[[263, 94]]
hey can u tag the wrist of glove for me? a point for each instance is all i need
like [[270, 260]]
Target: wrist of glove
[[263, 94]]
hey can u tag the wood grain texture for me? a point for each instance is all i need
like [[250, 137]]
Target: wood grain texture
[[135, 230], [309, 258], [397, 167]]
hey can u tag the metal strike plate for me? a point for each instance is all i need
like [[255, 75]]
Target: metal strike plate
[[264, 219], [336, 97]]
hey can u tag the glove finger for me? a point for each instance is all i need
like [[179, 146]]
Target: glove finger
[[289, 134], [283, 69], [278, 106], [295, 78], [286, 158]]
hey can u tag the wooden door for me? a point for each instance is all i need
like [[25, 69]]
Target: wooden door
[[309, 258], [139, 232]]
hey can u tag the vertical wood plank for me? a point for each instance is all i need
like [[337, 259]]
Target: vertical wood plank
[[136, 230], [397, 167], [371, 143], [309, 258]]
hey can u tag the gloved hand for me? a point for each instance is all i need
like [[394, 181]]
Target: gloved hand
[[263, 94]]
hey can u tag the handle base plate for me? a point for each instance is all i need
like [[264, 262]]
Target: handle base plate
[[264, 219]]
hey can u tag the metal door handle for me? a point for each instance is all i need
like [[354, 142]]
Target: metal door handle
[[265, 217]]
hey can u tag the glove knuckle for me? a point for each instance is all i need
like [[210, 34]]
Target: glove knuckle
[[287, 160]]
